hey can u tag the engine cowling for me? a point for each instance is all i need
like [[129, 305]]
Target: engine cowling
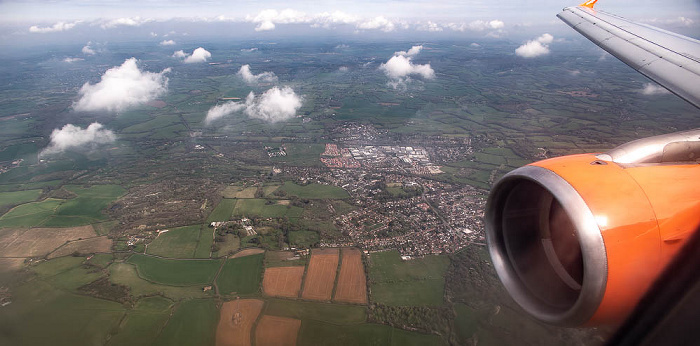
[[577, 240]]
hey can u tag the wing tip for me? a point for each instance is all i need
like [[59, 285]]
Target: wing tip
[[589, 3]]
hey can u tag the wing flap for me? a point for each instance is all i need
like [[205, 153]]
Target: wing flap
[[669, 59]]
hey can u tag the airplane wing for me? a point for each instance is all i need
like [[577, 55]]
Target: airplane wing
[[669, 59]]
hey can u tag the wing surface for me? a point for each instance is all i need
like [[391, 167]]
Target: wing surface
[[669, 59]]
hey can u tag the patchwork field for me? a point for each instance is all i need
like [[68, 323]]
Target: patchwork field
[[320, 276], [283, 281], [247, 252], [38, 242], [241, 275], [18, 197], [126, 274], [236, 321], [352, 283], [142, 325], [282, 259], [277, 331], [85, 246]]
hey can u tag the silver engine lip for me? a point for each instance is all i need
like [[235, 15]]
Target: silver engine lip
[[588, 234]]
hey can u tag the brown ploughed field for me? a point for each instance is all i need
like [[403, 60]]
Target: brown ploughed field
[[352, 285], [321, 275], [283, 281], [236, 321], [277, 331]]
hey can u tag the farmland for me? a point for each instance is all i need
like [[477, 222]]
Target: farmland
[[178, 242], [84, 246], [274, 330], [320, 276], [192, 323], [223, 211], [39, 241], [175, 272], [352, 286], [313, 191], [241, 275], [236, 322], [415, 282], [262, 208], [283, 281]]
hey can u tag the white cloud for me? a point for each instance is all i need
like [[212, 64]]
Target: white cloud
[[87, 50], [343, 69], [133, 21], [429, 26], [266, 19], [536, 47], [153, 34], [71, 136], [342, 46], [60, 26], [326, 19], [167, 43], [653, 89], [249, 50], [400, 67], [250, 78], [198, 55], [121, 87], [70, 60], [477, 25], [379, 23], [272, 106], [475, 45], [222, 110]]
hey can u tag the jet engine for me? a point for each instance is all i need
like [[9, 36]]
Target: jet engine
[[577, 240]]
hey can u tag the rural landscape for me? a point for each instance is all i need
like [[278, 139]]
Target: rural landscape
[[285, 191]]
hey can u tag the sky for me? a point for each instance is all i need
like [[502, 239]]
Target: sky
[[481, 17]]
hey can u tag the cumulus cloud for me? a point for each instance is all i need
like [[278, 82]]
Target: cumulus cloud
[[653, 89], [250, 78], [74, 137], [327, 20], [379, 23], [274, 105], [222, 110], [475, 45], [536, 47], [87, 50], [266, 19], [167, 43], [121, 87], [400, 67], [249, 50], [70, 60], [198, 55], [477, 25], [343, 69], [429, 26], [133, 21], [58, 27]]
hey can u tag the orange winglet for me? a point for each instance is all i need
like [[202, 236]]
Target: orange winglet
[[589, 3]]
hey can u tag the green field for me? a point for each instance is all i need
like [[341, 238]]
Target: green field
[[41, 314], [18, 197], [85, 209], [193, 323], [126, 274], [144, 322], [223, 211], [303, 239], [466, 322], [416, 282], [260, 208], [175, 272], [203, 249], [332, 313], [313, 191], [241, 275], [321, 333], [178, 242]]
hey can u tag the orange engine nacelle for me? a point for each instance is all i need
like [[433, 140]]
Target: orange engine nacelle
[[577, 240]]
